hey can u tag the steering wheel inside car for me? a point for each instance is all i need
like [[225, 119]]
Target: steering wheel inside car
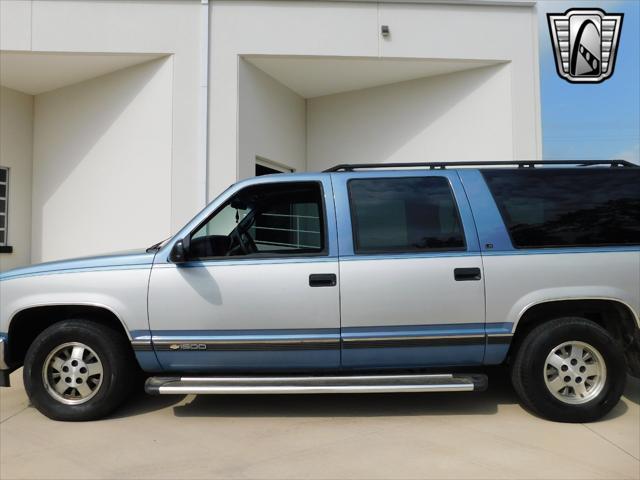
[[241, 244]]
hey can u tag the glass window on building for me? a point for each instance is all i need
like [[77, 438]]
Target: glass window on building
[[4, 204]]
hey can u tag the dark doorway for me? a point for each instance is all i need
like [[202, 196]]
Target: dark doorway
[[267, 167], [263, 170]]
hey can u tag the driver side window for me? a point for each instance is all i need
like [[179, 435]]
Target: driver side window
[[264, 220]]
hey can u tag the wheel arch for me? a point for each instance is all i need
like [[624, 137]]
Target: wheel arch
[[613, 314], [28, 322]]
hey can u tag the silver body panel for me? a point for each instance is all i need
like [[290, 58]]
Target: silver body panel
[[514, 283], [242, 295], [409, 291], [121, 291], [244, 315]]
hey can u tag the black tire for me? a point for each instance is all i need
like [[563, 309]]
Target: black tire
[[118, 367], [528, 370]]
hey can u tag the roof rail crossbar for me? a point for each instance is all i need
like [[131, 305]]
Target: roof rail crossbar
[[349, 167]]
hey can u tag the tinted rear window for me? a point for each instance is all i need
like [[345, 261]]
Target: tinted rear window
[[404, 215], [568, 208]]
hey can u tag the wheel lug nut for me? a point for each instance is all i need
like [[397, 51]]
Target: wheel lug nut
[[68, 379], [74, 363], [567, 379], [83, 370], [65, 369], [564, 368], [578, 380], [574, 361], [78, 380], [583, 369]]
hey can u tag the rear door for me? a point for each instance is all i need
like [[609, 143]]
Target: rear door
[[411, 286]]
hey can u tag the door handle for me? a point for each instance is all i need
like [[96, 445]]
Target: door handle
[[322, 280], [466, 274]]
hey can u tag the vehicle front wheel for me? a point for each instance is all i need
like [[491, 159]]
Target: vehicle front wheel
[[569, 370], [78, 370]]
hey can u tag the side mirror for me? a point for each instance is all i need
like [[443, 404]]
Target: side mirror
[[179, 252]]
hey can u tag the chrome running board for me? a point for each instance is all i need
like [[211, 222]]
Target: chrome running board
[[316, 384]]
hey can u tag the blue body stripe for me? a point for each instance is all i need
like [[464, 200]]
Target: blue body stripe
[[407, 256], [253, 361], [311, 333], [500, 328], [448, 354], [453, 355], [563, 251], [37, 272], [495, 354], [213, 335], [247, 261], [148, 361], [138, 259], [78, 270], [415, 330]]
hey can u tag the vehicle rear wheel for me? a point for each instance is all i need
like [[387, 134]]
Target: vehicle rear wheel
[[569, 370], [78, 370]]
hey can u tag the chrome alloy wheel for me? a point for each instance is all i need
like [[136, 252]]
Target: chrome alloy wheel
[[72, 373], [575, 372]]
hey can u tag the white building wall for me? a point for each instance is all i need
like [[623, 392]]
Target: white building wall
[[102, 163], [272, 28], [503, 33], [15, 25], [336, 29], [498, 32], [16, 140], [171, 27], [459, 116], [271, 122]]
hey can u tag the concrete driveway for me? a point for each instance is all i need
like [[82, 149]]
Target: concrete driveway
[[463, 435]]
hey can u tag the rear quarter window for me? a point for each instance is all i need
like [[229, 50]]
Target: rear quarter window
[[568, 207]]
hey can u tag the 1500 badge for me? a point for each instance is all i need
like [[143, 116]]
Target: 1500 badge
[[188, 346]]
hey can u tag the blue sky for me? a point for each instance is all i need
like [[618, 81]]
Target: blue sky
[[597, 121]]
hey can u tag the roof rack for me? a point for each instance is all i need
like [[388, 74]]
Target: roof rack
[[346, 167]]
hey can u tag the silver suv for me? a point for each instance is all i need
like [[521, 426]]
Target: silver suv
[[363, 278]]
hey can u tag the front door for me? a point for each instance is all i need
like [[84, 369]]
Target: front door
[[260, 287], [412, 293]]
